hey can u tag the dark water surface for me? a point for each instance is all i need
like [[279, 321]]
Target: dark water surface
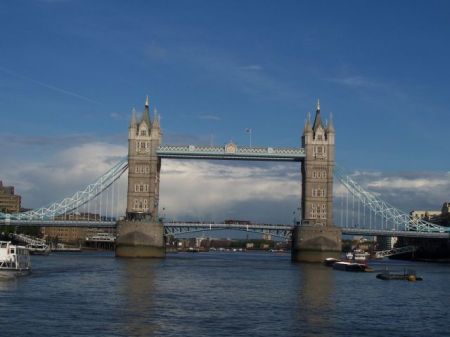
[[220, 294]]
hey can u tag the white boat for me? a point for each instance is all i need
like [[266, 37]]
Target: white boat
[[38, 249], [357, 255], [329, 261], [360, 255], [14, 260], [349, 266], [105, 237]]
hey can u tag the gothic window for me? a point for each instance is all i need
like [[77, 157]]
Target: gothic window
[[135, 204], [140, 204], [136, 188], [319, 137], [141, 188], [142, 145], [143, 133], [146, 188], [136, 169], [147, 169]]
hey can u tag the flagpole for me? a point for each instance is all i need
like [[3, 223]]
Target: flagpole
[[249, 131]]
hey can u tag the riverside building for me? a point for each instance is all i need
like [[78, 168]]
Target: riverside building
[[9, 202]]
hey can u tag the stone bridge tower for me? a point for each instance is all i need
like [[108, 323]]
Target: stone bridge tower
[[141, 233], [317, 238]]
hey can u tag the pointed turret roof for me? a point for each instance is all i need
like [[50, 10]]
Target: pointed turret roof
[[146, 115], [133, 118], [317, 119], [308, 127], [330, 124], [156, 120]]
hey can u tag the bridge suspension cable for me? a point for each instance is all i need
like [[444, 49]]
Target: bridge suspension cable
[[77, 200], [391, 216]]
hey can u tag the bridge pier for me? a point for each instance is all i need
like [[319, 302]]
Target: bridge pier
[[140, 239], [314, 243], [141, 234]]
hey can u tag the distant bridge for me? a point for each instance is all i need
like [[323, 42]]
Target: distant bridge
[[282, 231], [361, 212]]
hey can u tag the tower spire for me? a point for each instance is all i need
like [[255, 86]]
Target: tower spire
[[156, 119], [317, 119], [146, 114], [330, 127], [133, 118], [308, 123]]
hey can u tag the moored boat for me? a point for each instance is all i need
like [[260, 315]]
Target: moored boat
[[349, 266], [14, 260], [330, 261], [38, 249], [407, 275], [358, 255], [102, 237]]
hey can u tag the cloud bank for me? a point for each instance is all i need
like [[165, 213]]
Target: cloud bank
[[194, 190]]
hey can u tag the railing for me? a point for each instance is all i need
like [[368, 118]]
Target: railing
[[231, 151], [395, 251]]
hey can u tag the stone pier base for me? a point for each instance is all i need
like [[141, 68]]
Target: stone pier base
[[140, 239], [314, 243]]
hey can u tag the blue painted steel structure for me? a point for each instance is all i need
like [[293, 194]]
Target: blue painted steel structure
[[396, 223], [232, 152]]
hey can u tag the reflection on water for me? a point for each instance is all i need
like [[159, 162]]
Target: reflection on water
[[219, 294], [315, 290], [137, 290], [8, 284]]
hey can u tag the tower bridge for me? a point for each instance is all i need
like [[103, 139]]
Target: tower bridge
[[141, 232]]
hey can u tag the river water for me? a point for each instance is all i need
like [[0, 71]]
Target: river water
[[220, 294]]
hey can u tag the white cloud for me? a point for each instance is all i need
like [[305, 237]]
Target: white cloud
[[212, 190], [406, 190], [355, 81], [66, 172]]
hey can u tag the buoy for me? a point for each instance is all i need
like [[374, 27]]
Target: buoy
[[412, 278]]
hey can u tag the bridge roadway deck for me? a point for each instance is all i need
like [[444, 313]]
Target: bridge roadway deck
[[185, 227], [385, 232], [232, 152]]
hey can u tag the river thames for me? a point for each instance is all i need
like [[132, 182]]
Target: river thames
[[220, 294]]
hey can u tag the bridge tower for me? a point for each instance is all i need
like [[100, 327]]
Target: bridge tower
[[141, 234], [316, 238]]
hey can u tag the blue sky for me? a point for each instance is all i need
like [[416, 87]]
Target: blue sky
[[71, 71]]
